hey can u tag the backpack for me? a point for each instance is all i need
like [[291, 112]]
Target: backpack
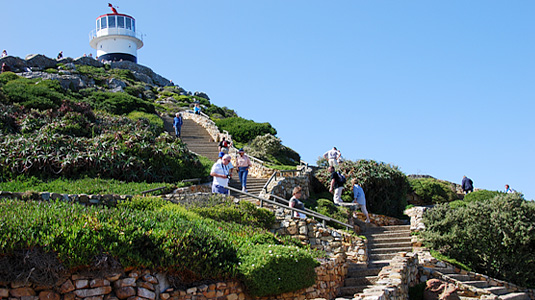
[[341, 178]]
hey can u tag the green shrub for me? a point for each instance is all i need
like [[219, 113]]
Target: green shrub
[[327, 208], [143, 203], [39, 94], [245, 213], [495, 237], [433, 191], [385, 185], [85, 185], [243, 130], [119, 103], [481, 195], [270, 148], [8, 76], [272, 270], [78, 234], [154, 120]]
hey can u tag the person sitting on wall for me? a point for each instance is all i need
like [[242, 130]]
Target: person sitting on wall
[[295, 203], [197, 109]]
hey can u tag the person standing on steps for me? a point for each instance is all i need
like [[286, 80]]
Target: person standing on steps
[[224, 145], [230, 165], [359, 198], [467, 184], [221, 174], [243, 162], [197, 108], [336, 186], [177, 124], [332, 156], [295, 203]]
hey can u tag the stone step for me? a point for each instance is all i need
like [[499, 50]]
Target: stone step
[[514, 296], [477, 283], [389, 250], [387, 235], [497, 290], [352, 290], [391, 228], [358, 281], [381, 245], [358, 272], [378, 263], [460, 277], [382, 257]]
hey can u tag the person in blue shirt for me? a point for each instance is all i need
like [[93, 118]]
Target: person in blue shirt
[[360, 198], [177, 124]]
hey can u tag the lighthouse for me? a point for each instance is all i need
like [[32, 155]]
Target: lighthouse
[[115, 37]]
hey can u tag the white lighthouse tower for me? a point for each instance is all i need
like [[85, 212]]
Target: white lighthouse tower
[[115, 37]]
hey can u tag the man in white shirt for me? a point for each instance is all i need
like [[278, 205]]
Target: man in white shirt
[[332, 156], [221, 174]]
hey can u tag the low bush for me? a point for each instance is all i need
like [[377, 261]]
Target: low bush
[[433, 191], [271, 270], [79, 234], [34, 93], [481, 195], [119, 103], [326, 207], [85, 185], [155, 122], [243, 130], [495, 237], [270, 148], [244, 213]]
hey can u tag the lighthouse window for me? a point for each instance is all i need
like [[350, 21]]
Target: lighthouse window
[[111, 21], [103, 22], [120, 21], [128, 23], [98, 24], [133, 25]]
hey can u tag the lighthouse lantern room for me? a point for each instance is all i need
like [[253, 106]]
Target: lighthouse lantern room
[[115, 37]]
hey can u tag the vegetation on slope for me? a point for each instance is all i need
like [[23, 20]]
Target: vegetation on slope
[[495, 237], [150, 232]]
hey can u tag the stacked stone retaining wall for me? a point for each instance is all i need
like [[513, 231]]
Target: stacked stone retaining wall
[[394, 280]]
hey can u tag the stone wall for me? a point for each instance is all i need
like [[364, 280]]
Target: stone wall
[[283, 183], [394, 280], [150, 285], [318, 236]]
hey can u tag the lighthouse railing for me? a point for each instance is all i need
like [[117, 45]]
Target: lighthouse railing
[[114, 31]]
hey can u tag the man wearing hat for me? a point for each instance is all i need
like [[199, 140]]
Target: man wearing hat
[[243, 162]]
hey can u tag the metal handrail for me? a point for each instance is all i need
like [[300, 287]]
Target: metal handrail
[[306, 211], [273, 176]]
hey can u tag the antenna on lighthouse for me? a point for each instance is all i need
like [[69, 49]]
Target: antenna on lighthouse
[[113, 9]]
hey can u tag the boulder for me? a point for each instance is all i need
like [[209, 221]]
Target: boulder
[[88, 61], [40, 62], [14, 63]]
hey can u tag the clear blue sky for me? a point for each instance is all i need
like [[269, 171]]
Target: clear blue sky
[[444, 88]]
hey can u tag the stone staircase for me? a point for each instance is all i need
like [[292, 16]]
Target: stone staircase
[[383, 243], [199, 141], [471, 286]]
